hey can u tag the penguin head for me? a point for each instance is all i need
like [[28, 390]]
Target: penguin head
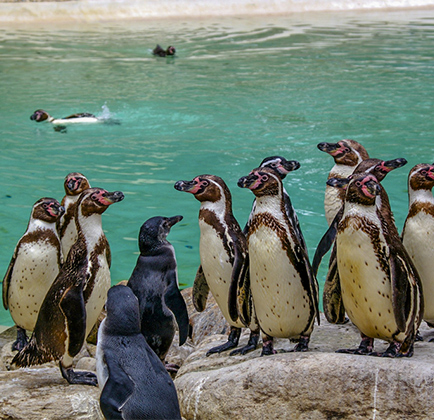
[[97, 200], [421, 177], [48, 210], [40, 115], [345, 152], [363, 189], [154, 231], [262, 182], [280, 165], [206, 188], [170, 50], [123, 314], [75, 183], [379, 168]]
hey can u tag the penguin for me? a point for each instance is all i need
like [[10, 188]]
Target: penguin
[[332, 300], [381, 289], [75, 183], [282, 168], [34, 265], [134, 383], [82, 118], [283, 287], [155, 283], [418, 230], [224, 260], [347, 154], [163, 53], [77, 295]]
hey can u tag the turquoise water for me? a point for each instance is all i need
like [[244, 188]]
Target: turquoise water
[[238, 90]]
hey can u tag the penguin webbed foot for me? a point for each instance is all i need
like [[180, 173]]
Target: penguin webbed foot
[[267, 348], [233, 338], [394, 350], [302, 345], [21, 340], [366, 347], [80, 378], [250, 346], [171, 367]]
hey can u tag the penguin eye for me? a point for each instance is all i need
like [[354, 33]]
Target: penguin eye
[[423, 172], [264, 178], [346, 150], [45, 206], [205, 183], [358, 184]]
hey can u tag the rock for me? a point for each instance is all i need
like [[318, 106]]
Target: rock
[[317, 385]]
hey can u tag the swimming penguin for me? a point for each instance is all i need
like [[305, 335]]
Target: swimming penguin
[[332, 299], [163, 53], [282, 168], [283, 287], [223, 257], [134, 382], [381, 289], [347, 154], [155, 283], [82, 118], [77, 296], [75, 183], [34, 266], [417, 235]]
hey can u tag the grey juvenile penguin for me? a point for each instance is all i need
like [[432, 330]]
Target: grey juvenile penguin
[[155, 283], [135, 385]]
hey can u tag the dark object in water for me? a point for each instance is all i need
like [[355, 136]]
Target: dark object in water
[[163, 53]]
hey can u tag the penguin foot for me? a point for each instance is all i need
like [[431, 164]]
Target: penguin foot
[[419, 337], [302, 345], [226, 346], [250, 346], [171, 367], [394, 350], [82, 378], [267, 348], [366, 347], [21, 340]]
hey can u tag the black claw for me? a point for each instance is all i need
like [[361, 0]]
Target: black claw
[[81, 378]]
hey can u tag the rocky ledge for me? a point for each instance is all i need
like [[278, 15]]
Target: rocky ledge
[[319, 384]]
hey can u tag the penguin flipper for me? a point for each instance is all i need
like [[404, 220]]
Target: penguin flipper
[[326, 241], [333, 305], [115, 392], [73, 307], [175, 302], [7, 278], [200, 290], [292, 216]]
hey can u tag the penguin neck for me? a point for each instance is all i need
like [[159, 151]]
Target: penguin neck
[[268, 204], [341, 171], [357, 209], [90, 228], [217, 207], [420, 196], [37, 224], [69, 200]]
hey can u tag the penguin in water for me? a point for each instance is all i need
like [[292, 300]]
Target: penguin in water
[[347, 154], [77, 296], [164, 52], [34, 266], [283, 287], [75, 183], [135, 384], [224, 260], [381, 289], [417, 235], [334, 310], [282, 167], [81, 118], [155, 283]]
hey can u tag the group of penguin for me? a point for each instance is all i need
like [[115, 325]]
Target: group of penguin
[[260, 276]]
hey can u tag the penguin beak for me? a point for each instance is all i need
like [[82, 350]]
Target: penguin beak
[[248, 181], [373, 187], [174, 220], [390, 165], [338, 182], [186, 186], [113, 197], [291, 165], [328, 147]]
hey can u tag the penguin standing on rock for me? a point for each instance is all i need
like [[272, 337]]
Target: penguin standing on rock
[[75, 183], [34, 266], [418, 232], [283, 287], [77, 296], [347, 154], [224, 259], [155, 283], [381, 289], [135, 384]]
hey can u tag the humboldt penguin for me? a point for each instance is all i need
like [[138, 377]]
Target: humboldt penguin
[[134, 383], [283, 287], [418, 232], [347, 154], [155, 283], [75, 183], [77, 296], [164, 52], [381, 289], [224, 259], [282, 167], [332, 300], [82, 118], [34, 266]]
